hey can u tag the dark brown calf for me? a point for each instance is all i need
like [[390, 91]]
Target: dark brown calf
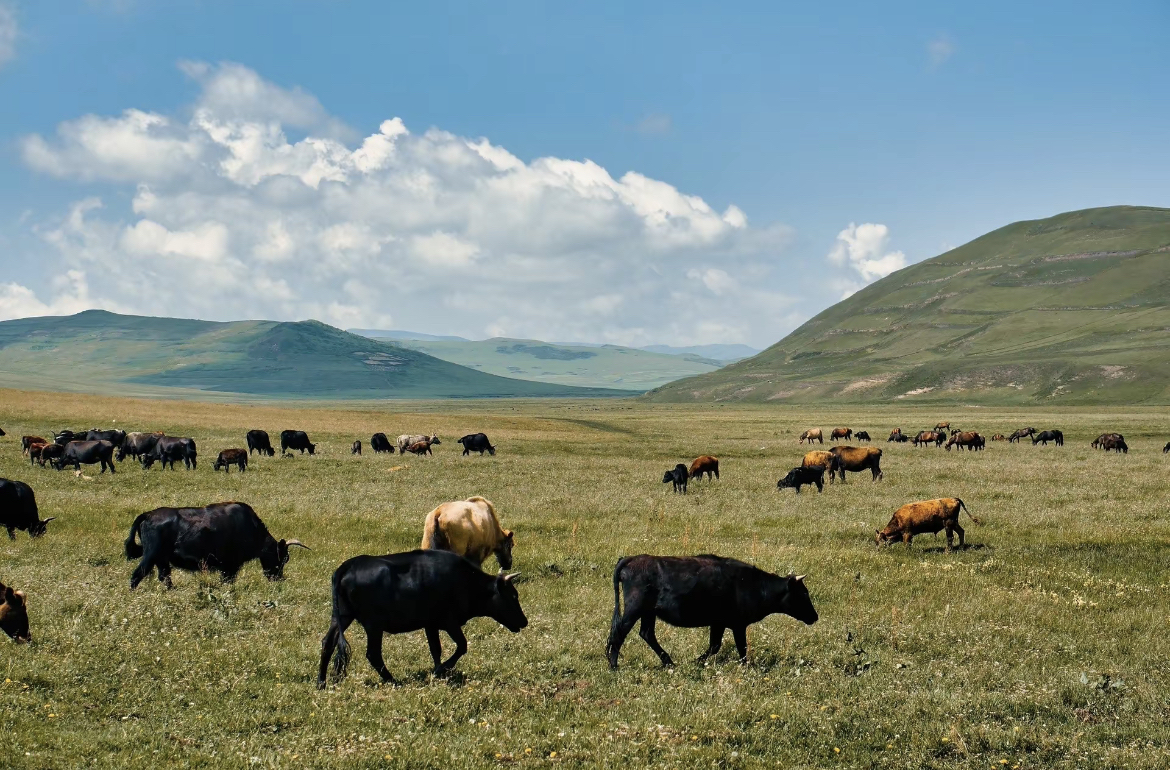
[[705, 464], [229, 457]]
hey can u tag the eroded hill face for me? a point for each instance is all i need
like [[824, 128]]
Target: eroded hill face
[[1072, 308]]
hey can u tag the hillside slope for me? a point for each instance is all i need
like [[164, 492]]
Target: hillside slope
[[1074, 308], [97, 351]]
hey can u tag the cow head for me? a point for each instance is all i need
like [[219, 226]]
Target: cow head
[[435, 439], [796, 602], [312, 449], [14, 614], [884, 536], [37, 528], [668, 477], [788, 481], [505, 603], [503, 550], [275, 556]]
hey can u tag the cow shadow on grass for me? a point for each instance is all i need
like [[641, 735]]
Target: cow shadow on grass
[[422, 677], [961, 549]]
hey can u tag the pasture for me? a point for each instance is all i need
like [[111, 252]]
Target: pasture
[[1044, 644]]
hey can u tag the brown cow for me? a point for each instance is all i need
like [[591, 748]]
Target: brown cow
[[810, 434], [419, 448], [471, 529], [1099, 442], [14, 614], [845, 433], [823, 459], [943, 426], [51, 452], [1021, 433], [926, 516], [705, 464], [968, 439], [857, 459], [34, 452], [27, 441], [999, 437], [929, 437], [229, 457]]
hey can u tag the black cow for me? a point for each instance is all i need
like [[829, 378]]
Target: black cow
[[221, 537], [137, 444], [356, 449], [798, 477], [1043, 437], [477, 442], [295, 439], [18, 509], [695, 591], [258, 442], [678, 476], [65, 436], [115, 437], [861, 435], [168, 449], [230, 457], [379, 443], [88, 452], [428, 590], [1166, 448]]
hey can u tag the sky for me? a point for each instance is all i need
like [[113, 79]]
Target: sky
[[630, 173]]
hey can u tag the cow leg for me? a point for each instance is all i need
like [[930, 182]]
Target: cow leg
[[143, 569], [456, 634], [374, 652], [715, 643], [436, 647], [740, 635], [11, 533], [907, 538], [960, 531], [164, 574], [647, 634], [622, 624], [820, 486]]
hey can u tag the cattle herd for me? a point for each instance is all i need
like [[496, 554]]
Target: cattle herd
[[441, 585]]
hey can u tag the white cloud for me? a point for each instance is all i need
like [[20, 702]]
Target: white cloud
[[8, 32], [654, 124], [233, 217], [864, 248], [940, 49]]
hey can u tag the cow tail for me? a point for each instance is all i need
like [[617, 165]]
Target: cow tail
[[133, 549], [341, 657], [433, 537], [969, 514], [617, 602]]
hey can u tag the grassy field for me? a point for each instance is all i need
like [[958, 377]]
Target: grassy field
[[1043, 645]]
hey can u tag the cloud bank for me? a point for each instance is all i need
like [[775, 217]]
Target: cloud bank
[[262, 205]]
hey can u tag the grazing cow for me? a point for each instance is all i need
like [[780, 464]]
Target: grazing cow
[[115, 437], [810, 435], [861, 435], [821, 458], [137, 444], [2, 433], [65, 436], [168, 449], [469, 528], [296, 439], [1117, 444], [419, 448], [678, 476], [51, 453], [406, 440], [895, 435], [801, 475], [999, 437], [221, 537], [27, 441], [843, 433], [34, 452], [379, 443], [857, 459], [230, 457], [1044, 437], [356, 449], [1099, 442], [696, 591], [900, 438], [258, 442], [943, 426], [88, 452], [429, 591], [965, 440], [705, 464], [476, 442], [1021, 433], [926, 516], [927, 437], [14, 613], [18, 509]]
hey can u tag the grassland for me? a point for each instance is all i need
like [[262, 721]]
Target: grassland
[[1073, 309], [1044, 645]]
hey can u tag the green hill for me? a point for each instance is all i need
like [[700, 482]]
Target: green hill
[[97, 351], [1074, 308], [603, 366]]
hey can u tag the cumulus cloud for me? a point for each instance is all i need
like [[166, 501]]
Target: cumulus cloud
[[940, 49], [865, 249], [8, 32], [233, 215]]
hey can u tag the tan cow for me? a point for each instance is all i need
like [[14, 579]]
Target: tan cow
[[926, 516], [823, 459], [469, 528], [845, 433], [811, 434], [14, 614], [705, 464], [857, 459]]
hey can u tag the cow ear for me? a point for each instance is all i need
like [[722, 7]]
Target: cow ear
[[18, 598], [509, 534], [10, 597]]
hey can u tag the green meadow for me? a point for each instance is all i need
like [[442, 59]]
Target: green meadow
[[1044, 644]]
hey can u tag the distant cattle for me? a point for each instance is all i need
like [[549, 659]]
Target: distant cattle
[[810, 435], [943, 426], [1044, 437], [356, 449], [861, 435], [2, 433], [476, 442], [471, 529], [895, 435], [677, 476], [697, 591], [379, 443], [802, 475], [115, 437], [296, 439], [1021, 433], [66, 436], [34, 452], [926, 516], [14, 612], [27, 441], [431, 591], [137, 444], [823, 459], [18, 509], [857, 459], [841, 433], [258, 442], [222, 537], [230, 457], [927, 437], [50, 453], [407, 439], [704, 464], [169, 449], [1166, 448], [965, 440], [1099, 442], [1116, 444], [78, 453], [419, 448], [999, 437]]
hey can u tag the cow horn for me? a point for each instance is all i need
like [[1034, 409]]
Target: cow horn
[[513, 576], [799, 578], [46, 521], [297, 542]]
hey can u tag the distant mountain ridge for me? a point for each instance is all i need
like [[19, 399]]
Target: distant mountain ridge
[[1074, 308]]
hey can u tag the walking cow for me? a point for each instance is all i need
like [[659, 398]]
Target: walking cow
[[476, 442]]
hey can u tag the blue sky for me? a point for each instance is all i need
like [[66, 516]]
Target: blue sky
[[923, 124]]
